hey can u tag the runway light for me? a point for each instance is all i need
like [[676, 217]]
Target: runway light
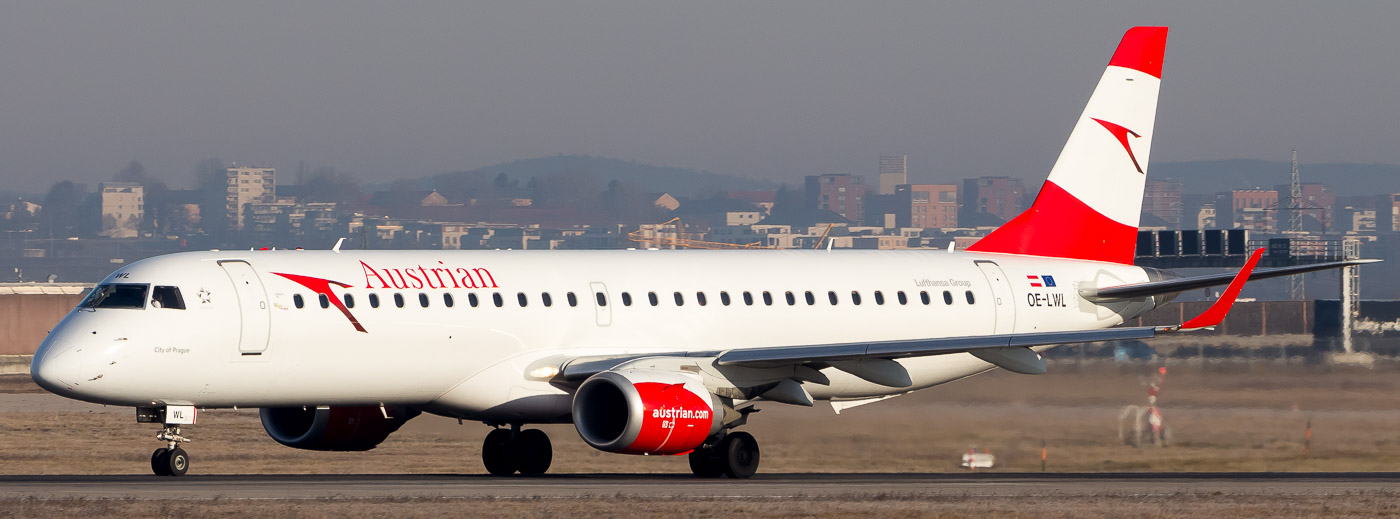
[[544, 372]]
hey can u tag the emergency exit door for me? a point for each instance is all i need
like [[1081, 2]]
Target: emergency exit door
[[1001, 297]]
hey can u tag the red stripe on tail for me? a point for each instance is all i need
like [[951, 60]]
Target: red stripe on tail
[[1058, 225], [1142, 49]]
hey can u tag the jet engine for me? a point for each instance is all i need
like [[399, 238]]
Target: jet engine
[[635, 411], [334, 428]]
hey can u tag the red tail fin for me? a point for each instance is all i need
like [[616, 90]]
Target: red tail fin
[[1088, 208]]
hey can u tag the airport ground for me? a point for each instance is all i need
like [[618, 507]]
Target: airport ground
[[893, 458]]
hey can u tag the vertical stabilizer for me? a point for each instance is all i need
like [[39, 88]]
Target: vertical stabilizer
[[1089, 207]]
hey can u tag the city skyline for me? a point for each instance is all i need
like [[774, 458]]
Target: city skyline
[[775, 91]]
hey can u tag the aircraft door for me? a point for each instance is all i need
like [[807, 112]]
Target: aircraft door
[[602, 304], [254, 308], [1002, 299]]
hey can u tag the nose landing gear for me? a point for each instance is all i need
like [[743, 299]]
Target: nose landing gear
[[170, 460]]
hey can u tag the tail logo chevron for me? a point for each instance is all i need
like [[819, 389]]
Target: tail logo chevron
[[1122, 134]]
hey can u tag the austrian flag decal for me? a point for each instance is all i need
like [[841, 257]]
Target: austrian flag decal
[[1041, 281]]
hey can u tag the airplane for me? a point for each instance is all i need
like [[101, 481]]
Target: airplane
[[655, 352]]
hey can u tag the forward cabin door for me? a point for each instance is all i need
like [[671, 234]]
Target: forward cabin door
[[1002, 300], [602, 305], [253, 305]]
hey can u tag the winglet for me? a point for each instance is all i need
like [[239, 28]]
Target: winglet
[[1216, 313]]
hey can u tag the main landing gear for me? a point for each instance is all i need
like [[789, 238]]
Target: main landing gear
[[507, 451], [736, 456], [170, 460]]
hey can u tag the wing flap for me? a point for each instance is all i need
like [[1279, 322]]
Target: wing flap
[[923, 347]]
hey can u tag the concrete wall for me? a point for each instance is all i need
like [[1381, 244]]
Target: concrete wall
[[26, 319]]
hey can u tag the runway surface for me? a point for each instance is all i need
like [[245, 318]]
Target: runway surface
[[683, 486]]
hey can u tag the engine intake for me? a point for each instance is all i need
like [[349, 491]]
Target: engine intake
[[645, 412], [333, 428]]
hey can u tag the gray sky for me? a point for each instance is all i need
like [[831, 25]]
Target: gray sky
[[766, 89]]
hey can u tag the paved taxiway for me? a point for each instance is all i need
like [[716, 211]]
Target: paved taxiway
[[682, 486]]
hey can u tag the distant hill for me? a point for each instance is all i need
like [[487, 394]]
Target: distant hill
[[1346, 178], [645, 177]]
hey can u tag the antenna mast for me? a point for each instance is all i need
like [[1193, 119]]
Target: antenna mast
[[1295, 198], [1295, 224]]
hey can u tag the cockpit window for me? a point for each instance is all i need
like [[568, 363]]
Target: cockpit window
[[117, 295], [167, 297]]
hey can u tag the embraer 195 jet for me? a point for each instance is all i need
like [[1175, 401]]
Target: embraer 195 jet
[[643, 351]]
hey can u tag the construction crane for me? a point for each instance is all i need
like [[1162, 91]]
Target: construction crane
[[683, 240], [823, 237]]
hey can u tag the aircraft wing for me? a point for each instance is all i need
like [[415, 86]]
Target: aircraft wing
[[584, 367], [1172, 286], [874, 361]]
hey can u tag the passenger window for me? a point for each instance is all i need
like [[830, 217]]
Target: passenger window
[[947, 297], [767, 298], [398, 300], [970, 299], [748, 299], [546, 300], [520, 298], [472, 301], [167, 297], [724, 298], [601, 298], [902, 300], [626, 299], [573, 300], [879, 297], [651, 296], [810, 299], [422, 300], [855, 298], [700, 298], [325, 301], [497, 299], [447, 300], [790, 299], [923, 296], [831, 296], [373, 301], [680, 299], [298, 301], [349, 301]]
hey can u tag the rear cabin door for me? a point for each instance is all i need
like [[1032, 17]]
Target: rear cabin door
[[1001, 297], [602, 305], [255, 311]]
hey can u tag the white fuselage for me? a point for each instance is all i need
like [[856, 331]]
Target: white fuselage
[[252, 346]]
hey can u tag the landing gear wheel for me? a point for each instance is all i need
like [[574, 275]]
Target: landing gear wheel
[[177, 462], [706, 463], [532, 452], [496, 455], [739, 455], [160, 462]]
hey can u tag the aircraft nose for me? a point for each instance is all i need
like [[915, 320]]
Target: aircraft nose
[[56, 369]]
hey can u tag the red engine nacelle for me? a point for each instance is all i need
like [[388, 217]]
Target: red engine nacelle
[[333, 428], [645, 412]]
